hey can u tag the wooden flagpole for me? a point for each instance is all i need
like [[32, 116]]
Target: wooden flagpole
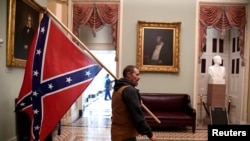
[[80, 42], [86, 48], [146, 108]]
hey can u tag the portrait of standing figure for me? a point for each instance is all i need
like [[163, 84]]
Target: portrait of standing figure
[[25, 39], [158, 47], [26, 23]]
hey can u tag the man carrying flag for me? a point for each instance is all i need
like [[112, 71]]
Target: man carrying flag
[[56, 74]]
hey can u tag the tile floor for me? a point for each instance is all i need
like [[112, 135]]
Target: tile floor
[[94, 125]]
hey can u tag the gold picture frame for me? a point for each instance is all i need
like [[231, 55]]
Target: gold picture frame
[[167, 58], [23, 20]]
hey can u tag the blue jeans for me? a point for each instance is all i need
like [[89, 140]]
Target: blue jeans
[[107, 94]]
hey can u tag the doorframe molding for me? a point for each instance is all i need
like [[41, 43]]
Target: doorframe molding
[[245, 113]]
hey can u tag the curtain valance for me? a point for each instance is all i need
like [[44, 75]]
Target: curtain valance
[[95, 16], [222, 18]]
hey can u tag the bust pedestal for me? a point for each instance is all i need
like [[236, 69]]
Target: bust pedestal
[[216, 95]]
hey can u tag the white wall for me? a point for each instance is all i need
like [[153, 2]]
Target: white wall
[[10, 82]]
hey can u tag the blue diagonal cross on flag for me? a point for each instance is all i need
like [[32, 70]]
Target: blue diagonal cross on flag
[[56, 74]]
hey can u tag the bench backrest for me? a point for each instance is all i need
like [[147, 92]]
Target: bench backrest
[[165, 102]]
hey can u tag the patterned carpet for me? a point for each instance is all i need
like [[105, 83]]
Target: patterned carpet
[[98, 129], [178, 135], [80, 139], [95, 126], [92, 122], [78, 133]]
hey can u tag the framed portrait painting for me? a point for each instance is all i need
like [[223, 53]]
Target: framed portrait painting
[[24, 17], [158, 46]]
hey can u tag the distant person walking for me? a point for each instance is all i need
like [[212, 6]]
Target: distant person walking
[[108, 87]]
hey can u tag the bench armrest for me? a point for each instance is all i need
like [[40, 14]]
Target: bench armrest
[[188, 108]]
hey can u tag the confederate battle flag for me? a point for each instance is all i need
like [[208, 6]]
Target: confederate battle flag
[[56, 74]]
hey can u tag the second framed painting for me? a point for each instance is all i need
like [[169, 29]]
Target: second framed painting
[[24, 17], [158, 46]]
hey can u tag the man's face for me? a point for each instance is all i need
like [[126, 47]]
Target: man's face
[[29, 21], [134, 77], [158, 39]]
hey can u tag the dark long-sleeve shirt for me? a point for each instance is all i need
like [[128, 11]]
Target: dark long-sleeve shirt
[[132, 100]]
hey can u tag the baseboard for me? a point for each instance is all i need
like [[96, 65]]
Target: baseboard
[[12, 139]]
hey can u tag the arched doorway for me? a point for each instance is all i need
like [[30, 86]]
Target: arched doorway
[[96, 25], [98, 31]]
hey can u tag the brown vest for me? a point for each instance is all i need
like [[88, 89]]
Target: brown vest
[[122, 126]]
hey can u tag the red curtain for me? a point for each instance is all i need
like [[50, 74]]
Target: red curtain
[[95, 16], [222, 18]]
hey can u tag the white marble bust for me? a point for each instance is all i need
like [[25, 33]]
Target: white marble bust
[[216, 72]]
